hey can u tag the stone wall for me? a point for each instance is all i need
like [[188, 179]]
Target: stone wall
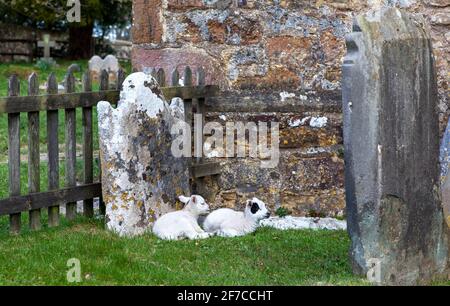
[[275, 59]]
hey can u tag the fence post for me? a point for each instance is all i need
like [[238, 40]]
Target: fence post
[[201, 110], [175, 78], [188, 116], [14, 154], [120, 79], [88, 152], [161, 77], [71, 148], [34, 178], [53, 152]]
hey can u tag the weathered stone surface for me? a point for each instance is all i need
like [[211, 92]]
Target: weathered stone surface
[[438, 3], [441, 18], [391, 136], [446, 199], [141, 178], [290, 185], [147, 21], [258, 49], [293, 43]]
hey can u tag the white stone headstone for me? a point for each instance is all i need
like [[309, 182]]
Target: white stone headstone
[[111, 64], [96, 64], [141, 178]]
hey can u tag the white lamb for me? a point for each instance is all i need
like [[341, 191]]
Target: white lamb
[[184, 223], [229, 223]]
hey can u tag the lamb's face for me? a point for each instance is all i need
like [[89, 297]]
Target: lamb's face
[[256, 209], [196, 204]]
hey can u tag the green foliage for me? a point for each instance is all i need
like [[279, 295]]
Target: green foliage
[[51, 14], [45, 64], [283, 212]]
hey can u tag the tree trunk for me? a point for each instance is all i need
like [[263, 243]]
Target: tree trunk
[[81, 43]]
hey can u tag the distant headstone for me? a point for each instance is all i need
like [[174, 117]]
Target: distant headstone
[[391, 131], [46, 43], [96, 64], [141, 178], [110, 64], [74, 68]]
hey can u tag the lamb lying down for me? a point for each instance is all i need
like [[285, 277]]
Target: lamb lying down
[[229, 223], [184, 223]]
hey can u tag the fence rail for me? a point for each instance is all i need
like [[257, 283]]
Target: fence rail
[[51, 103]]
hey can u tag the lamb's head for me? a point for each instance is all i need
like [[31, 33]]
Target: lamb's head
[[195, 205], [256, 210]]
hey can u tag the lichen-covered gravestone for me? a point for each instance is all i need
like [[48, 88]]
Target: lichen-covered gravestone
[[141, 179], [395, 215]]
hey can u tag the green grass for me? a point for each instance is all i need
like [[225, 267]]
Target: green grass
[[268, 257], [23, 70]]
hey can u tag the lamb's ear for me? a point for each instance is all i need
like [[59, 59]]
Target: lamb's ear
[[183, 199], [249, 203], [194, 199]]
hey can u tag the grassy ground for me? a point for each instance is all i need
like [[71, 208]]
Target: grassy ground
[[269, 257]]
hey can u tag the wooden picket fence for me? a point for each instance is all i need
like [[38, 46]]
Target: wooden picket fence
[[51, 103]]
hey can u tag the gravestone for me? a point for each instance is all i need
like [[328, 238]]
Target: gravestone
[[141, 178], [74, 68], [110, 64], [391, 136], [46, 43], [96, 64]]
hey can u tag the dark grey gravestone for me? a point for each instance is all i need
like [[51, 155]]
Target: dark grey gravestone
[[395, 215], [74, 68]]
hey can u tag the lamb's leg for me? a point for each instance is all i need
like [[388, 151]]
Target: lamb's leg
[[201, 233], [193, 235], [228, 233], [198, 229]]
